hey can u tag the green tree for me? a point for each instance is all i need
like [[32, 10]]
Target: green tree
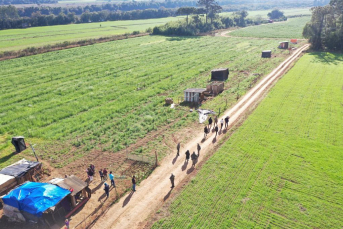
[[211, 6], [186, 11], [275, 14]]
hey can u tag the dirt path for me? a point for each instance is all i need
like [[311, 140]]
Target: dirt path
[[226, 34], [134, 208]]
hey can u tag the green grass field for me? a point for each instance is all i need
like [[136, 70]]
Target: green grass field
[[263, 13], [15, 39], [87, 97], [283, 167], [292, 28]]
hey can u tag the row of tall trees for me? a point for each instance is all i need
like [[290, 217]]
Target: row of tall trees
[[325, 30]]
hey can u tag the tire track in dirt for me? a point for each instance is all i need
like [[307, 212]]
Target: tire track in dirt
[[134, 208]]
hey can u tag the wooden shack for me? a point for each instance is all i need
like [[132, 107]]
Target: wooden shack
[[23, 171], [220, 74], [194, 94], [214, 88], [7, 183], [267, 54], [284, 45]]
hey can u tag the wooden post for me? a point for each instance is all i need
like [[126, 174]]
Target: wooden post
[[226, 102], [156, 162]]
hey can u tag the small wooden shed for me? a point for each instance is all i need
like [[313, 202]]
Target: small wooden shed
[[193, 94], [267, 54], [220, 74], [284, 45], [215, 87], [294, 41]]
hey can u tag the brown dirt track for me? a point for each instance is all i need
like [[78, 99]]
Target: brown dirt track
[[134, 208]]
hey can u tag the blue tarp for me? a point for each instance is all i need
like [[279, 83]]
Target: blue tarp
[[35, 198]]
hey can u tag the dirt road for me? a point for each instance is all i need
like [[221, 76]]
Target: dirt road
[[152, 192]]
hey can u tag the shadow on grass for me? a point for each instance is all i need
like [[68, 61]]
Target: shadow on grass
[[327, 57], [182, 38]]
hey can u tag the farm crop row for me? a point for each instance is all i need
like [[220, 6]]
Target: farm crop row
[[292, 28], [90, 94], [282, 168]]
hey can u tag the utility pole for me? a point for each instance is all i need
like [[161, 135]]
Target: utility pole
[[33, 150]]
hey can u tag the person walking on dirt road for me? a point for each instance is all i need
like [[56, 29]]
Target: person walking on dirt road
[[221, 124], [227, 121], [210, 123], [215, 121], [90, 174], [105, 173], [101, 175], [194, 158], [107, 189], [112, 179], [178, 149], [187, 155], [172, 178], [133, 183], [205, 131], [216, 129], [198, 148]]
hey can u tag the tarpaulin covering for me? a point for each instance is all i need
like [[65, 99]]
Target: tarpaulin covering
[[35, 198], [20, 168], [203, 114]]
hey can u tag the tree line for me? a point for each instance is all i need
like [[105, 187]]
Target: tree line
[[12, 20], [325, 30]]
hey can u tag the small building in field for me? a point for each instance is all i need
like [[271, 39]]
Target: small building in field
[[220, 74], [19, 143], [79, 189], [194, 94], [214, 88], [267, 54], [23, 171], [36, 202], [283, 45], [294, 41]]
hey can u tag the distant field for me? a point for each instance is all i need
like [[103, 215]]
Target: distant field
[[88, 97], [15, 39], [283, 167], [292, 28], [263, 13]]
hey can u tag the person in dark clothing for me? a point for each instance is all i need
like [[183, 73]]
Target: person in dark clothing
[[178, 149], [90, 174], [134, 183], [210, 123], [227, 121], [216, 129], [105, 173], [215, 121], [187, 155], [205, 131], [194, 158], [107, 189], [198, 148], [172, 178], [92, 167], [101, 175]]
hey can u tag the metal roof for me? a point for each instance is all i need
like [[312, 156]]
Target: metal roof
[[70, 182], [196, 90]]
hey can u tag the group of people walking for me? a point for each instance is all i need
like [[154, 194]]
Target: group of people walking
[[103, 177], [208, 127]]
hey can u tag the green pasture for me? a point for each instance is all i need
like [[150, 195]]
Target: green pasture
[[108, 95], [283, 167], [292, 28], [263, 13], [15, 39]]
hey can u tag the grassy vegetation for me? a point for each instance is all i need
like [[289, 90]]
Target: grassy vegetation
[[292, 28], [263, 13], [108, 95], [283, 167], [15, 39]]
